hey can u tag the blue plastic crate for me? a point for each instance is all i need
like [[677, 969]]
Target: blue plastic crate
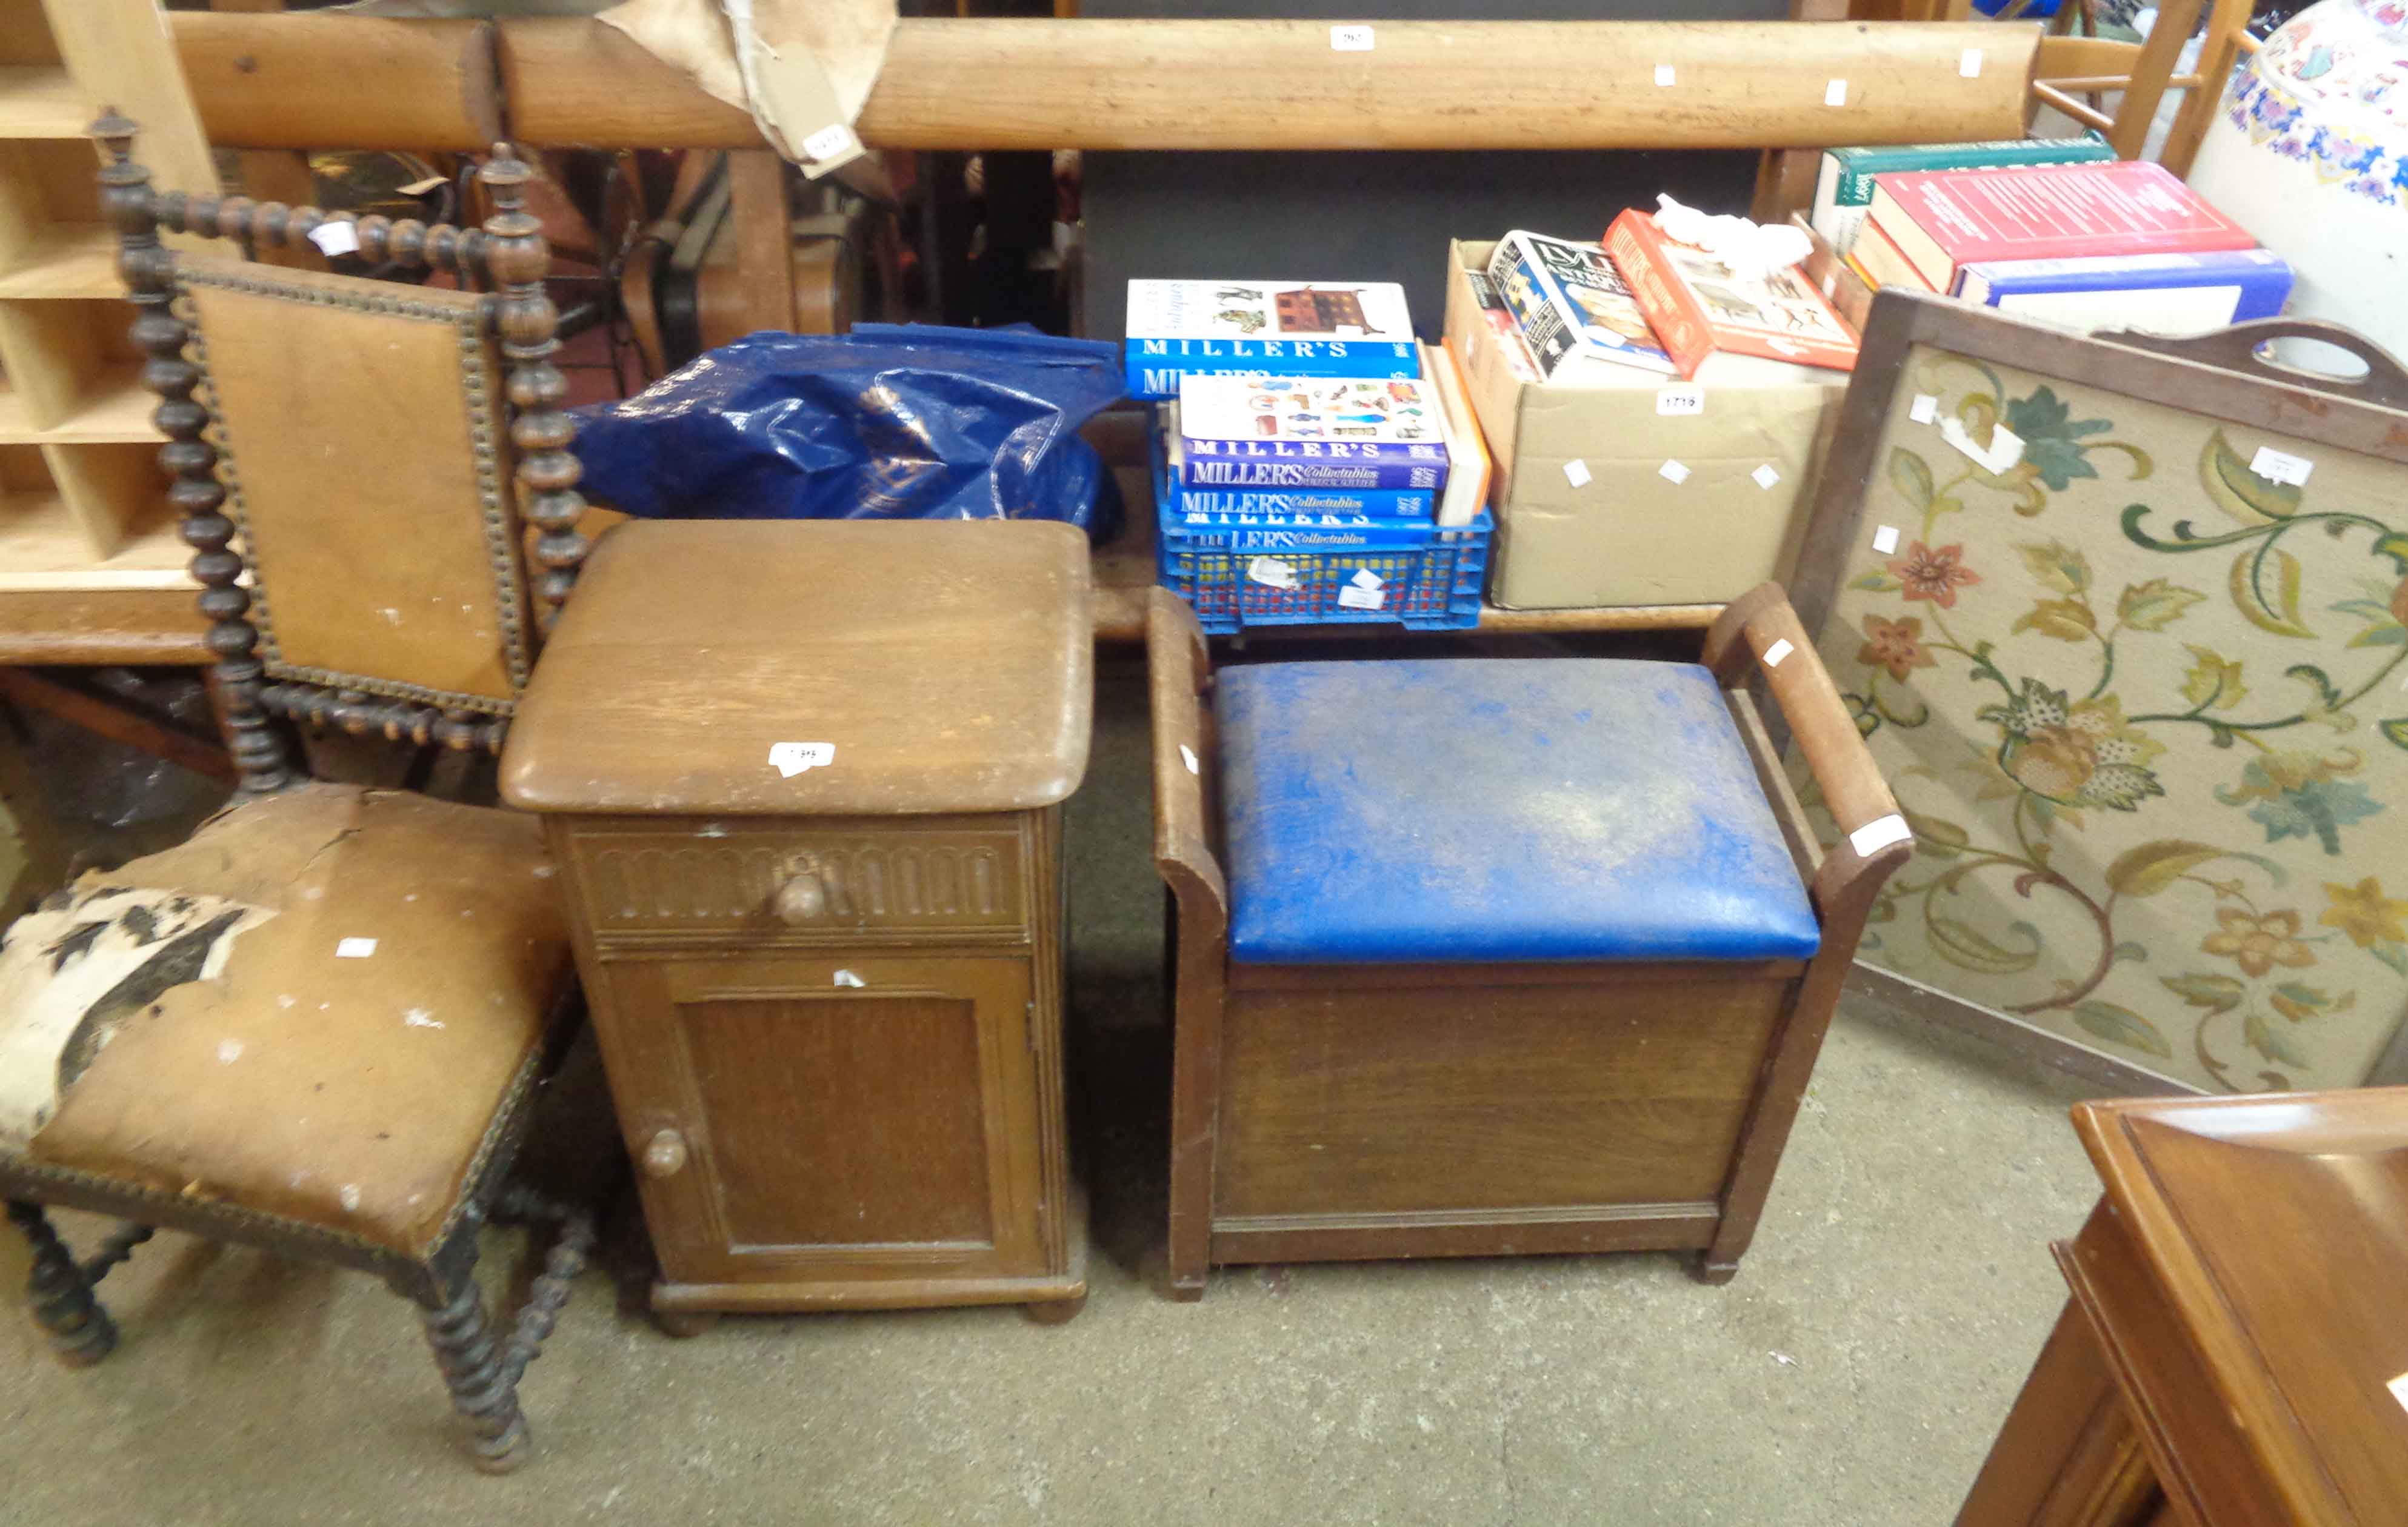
[[1430, 577]]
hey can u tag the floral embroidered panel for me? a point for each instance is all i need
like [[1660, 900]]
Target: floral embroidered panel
[[2145, 702]]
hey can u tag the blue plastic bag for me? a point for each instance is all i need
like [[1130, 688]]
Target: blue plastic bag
[[891, 421]]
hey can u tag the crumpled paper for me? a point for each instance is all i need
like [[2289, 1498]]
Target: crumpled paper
[[803, 68], [1753, 251]]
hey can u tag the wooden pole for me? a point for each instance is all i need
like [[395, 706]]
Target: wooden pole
[[1153, 84], [306, 81]]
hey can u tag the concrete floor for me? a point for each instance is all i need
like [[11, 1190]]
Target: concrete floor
[[1852, 1376]]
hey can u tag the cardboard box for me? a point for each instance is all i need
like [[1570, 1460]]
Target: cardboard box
[[1588, 513]]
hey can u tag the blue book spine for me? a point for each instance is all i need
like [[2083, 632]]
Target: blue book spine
[[1304, 503], [1285, 464], [1153, 366], [2261, 280]]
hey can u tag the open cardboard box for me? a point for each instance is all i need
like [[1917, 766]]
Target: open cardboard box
[[1587, 513]]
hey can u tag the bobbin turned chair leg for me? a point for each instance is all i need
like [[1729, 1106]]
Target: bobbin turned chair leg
[[483, 1389], [483, 1375], [58, 1295]]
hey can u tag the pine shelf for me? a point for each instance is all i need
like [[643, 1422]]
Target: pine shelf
[[65, 260], [89, 548], [40, 101], [44, 547], [117, 411]]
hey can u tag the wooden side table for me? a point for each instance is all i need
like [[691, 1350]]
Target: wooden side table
[[2236, 1349], [803, 785]]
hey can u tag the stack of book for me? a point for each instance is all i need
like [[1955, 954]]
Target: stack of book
[[1844, 189], [1323, 450], [1311, 460], [1178, 328], [1639, 306], [2094, 245]]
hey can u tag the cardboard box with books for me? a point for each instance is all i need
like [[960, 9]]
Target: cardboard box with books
[[1620, 485]]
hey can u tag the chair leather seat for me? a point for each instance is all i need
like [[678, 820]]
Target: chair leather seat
[[352, 1088], [1497, 810]]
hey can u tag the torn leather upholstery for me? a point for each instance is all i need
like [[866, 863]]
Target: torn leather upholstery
[[359, 981]]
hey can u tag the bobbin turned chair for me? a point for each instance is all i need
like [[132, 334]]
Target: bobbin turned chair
[[1476, 957], [315, 1027]]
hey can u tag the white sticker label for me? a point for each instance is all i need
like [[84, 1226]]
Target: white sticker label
[[1885, 539], [1836, 93], [354, 948], [2398, 1388], [830, 141], [1925, 408], [1830, 280], [1366, 579], [1685, 401], [1765, 476], [1968, 63], [846, 978], [342, 236], [1774, 653], [2281, 467], [792, 758], [1576, 472], [1273, 573], [1673, 472], [1663, 74], [2006, 448], [1350, 40], [1354, 598], [1187, 756], [1879, 834]]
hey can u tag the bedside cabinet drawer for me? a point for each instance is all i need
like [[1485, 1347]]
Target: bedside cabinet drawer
[[647, 877]]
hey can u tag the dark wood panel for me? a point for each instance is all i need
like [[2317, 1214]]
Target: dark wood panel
[[791, 1127], [1401, 1098], [789, 1086], [2067, 1455], [2197, 1451], [1368, 1237]]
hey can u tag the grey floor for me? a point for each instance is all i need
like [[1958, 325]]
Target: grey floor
[[1852, 1376]]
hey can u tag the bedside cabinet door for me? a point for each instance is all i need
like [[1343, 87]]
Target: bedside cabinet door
[[837, 1117]]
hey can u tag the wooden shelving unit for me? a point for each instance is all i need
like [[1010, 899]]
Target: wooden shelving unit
[[81, 504]]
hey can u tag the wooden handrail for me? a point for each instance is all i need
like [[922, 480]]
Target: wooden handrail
[[1144, 84]]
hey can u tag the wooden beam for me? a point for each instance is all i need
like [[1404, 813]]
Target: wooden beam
[[308, 81], [117, 723], [1151, 84], [1139, 84]]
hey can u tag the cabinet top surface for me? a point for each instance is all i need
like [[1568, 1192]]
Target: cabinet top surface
[[863, 667], [2277, 1227]]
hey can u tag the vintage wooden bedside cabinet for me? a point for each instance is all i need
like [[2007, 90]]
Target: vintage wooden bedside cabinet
[[803, 782]]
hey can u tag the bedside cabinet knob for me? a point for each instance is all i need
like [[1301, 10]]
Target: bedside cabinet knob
[[801, 900], [665, 1154]]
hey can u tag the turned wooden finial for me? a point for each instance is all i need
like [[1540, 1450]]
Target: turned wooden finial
[[518, 258]]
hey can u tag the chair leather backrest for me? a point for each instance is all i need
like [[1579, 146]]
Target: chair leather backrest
[[361, 438]]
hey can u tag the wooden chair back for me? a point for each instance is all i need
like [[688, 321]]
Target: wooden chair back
[[2072, 67], [356, 462]]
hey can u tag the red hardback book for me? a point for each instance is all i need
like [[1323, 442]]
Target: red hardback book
[[1698, 306], [1880, 262], [1943, 221]]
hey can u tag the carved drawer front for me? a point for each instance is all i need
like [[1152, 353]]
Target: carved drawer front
[[784, 881]]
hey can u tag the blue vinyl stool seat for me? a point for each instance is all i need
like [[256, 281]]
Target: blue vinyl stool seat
[[1497, 810]]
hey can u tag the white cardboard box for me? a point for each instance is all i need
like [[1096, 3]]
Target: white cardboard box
[[1652, 491]]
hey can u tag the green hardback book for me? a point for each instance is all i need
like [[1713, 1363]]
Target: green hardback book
[[1844, 189]]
